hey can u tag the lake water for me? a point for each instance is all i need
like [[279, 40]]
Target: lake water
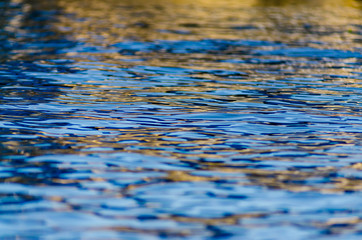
[[180, 119]]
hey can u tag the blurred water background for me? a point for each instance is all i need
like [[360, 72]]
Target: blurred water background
[[180, 119]]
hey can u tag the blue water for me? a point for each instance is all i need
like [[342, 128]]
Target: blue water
[[127, 125]]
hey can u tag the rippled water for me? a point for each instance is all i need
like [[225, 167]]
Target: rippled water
[[180, 119]]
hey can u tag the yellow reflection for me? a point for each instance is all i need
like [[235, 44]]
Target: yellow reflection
[[111, 21]]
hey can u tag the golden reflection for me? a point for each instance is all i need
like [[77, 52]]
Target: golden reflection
[[357, 166], [232, 220], [317, 3], [110, 21], [182, 176]]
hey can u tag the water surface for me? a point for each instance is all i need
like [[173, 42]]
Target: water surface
[[180, 119]]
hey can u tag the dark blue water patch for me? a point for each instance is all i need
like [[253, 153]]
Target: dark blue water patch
[[244, 27], [159, 70], [33, 36], [309, 53], [185, 46], [222, 73], [258, 61], [83, 48]]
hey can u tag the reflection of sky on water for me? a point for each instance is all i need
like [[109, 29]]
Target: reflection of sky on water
[[173, 119]]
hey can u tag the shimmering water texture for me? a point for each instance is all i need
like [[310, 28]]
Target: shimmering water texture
[[180, 119]]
